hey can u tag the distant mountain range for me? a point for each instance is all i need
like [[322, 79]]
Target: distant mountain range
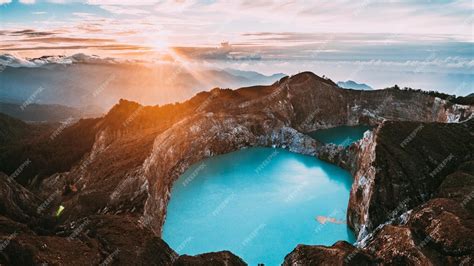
[[81, 80], [350, 84], [252, 75]]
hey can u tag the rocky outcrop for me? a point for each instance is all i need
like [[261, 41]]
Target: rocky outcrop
[[439, 232], [222, 258], [341, 253], [459, 186]]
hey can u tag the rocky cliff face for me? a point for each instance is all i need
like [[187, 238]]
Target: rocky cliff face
[[401, 165], [411, 201], [140, 151]]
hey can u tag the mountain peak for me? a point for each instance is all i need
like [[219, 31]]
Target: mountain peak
[[350, 84], [304, 76]]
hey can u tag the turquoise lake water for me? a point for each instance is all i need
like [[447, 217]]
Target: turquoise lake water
[[344, 135], [258, 203]]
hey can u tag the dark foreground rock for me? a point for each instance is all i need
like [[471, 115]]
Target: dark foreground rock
[[222, 258], [28, 238], [341, 253], [89, 241], [439, 232], [100, 239]]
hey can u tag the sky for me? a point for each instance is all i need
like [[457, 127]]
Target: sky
[[370, 40]]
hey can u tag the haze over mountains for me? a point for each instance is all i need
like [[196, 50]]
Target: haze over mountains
[[81, 80], [80, 86]]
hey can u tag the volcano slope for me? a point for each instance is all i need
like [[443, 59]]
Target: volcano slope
[[117, 192]]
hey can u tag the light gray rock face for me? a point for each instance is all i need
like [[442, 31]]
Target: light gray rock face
[[363, 185]]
